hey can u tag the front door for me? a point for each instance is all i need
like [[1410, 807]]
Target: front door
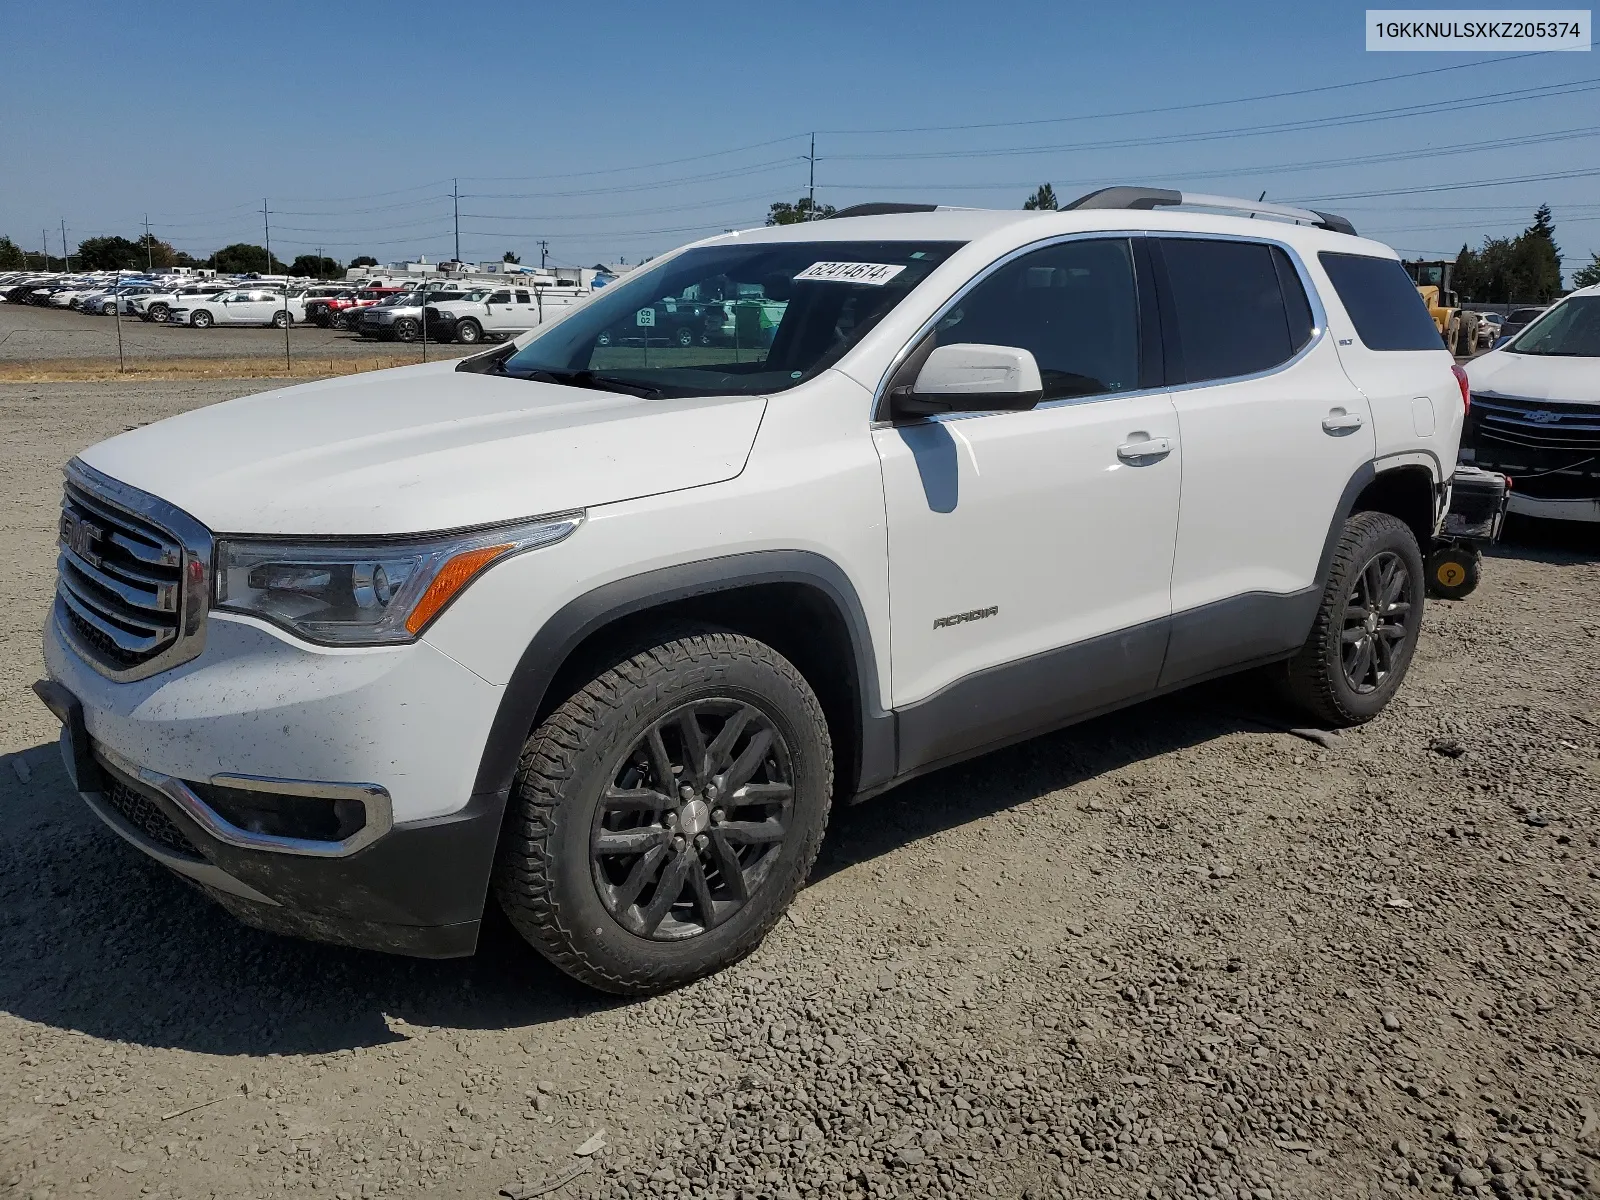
[[1030, 553]]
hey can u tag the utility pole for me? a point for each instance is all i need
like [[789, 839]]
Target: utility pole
[[455, 198], [266, 230], [44, 247], [65, 257], [148, 264], [544, 252], [319, 264], [811, 186]]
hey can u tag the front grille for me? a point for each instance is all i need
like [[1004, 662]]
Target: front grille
[[129, 594], [145, 815], [1533, 425]]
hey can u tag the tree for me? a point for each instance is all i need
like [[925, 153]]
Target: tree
[[803, 209], [1589, 275], [510, 258], [310, 264], [11, 256], [110, 254], [363, 260], [242, 257], [1526, 268], [1044, 198]]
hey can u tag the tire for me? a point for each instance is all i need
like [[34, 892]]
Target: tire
[[604, 339], [200, 320], [1454, 573], [468, 332], [1452, 337], [324, 321], [158, 313], [685, 337], [569, 898], [406, 330], [280, 319], [1322, 678]]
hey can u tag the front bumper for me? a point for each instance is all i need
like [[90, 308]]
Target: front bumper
[[410, 720]]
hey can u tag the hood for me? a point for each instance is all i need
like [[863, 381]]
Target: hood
[[424, 448], [1536, 377]]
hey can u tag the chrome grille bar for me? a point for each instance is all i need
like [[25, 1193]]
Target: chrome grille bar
[[132, 579]]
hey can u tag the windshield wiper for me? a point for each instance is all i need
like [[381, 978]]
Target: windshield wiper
[[600, 383]]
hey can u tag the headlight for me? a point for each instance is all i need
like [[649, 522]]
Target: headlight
[[367, 593]]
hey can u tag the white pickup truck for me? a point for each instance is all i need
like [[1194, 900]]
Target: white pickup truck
[[501, 313]]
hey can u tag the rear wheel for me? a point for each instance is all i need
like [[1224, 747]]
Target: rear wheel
[[200, 319], [468, 332], [280, 319], [664, 817], [1366, 629]]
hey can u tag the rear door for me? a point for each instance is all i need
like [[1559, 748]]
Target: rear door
[[1273, 432]]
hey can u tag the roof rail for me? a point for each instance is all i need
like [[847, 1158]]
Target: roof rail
[[881, 208], [1147, 198]]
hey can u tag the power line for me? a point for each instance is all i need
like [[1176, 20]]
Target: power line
[[1189, 107], [1425, 189], [1428, 108]]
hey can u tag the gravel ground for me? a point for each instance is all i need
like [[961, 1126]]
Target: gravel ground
[[58, 335], [1177, 952]]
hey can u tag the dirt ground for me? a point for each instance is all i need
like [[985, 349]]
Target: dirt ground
[[1176, 952]]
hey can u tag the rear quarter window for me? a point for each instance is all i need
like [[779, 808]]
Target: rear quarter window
[[1383, 303]]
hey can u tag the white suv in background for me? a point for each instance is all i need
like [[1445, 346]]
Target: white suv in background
[[606, 629]]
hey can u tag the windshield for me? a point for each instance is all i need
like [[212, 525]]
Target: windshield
[[732, 319], [1571, 329]]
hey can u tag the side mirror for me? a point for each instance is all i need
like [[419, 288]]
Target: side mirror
[[968, 377]]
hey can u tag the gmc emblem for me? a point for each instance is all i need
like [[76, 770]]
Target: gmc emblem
[[80, 536]]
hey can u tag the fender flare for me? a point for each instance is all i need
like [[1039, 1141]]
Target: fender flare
[[579, 618]]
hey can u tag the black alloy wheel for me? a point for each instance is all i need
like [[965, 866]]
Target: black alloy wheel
[[1376, 621], [1367, 625], [694, 818]]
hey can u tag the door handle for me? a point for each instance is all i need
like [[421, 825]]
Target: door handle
[[1144, 451], [1340, 422]]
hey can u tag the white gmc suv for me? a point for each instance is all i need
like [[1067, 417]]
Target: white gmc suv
[[606, 629]]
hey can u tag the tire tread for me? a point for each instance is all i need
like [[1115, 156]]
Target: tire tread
[[524, 876]]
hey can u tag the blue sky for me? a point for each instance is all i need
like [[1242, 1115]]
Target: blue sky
[[618, 130]]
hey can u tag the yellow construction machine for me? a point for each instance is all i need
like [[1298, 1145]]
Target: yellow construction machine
[[1459, 328]]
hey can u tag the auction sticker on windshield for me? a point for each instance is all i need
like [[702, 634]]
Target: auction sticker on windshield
[[852, 272]]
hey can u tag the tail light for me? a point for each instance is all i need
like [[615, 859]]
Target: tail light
[[1466, 387]]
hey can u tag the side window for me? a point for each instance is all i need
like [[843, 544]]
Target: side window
[[522, 298], [499, 298], [1229, 308], [1384, 305], [1074, 305]]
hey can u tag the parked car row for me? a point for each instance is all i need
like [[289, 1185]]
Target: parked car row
[[456, 309]]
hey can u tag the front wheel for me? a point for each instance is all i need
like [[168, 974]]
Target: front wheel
[[201, 319], [468, 332], [664, 816], [1452, 337], [406, 330], [157, 313], [1367, 626]]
